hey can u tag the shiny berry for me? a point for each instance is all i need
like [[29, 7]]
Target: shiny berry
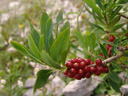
[[108, 47], [76, 65], [73, 71], [93, 69], [102, 55], [100, 69], [87, 61], [82, 65], [111, 38], [69, 64], [87, 75], [98, 62], [80, 72], [91, 62], [97, 73], [77, 77], [106, 70], [87, 69], [66, 72], [70, 75]]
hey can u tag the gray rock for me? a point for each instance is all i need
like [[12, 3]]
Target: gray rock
[[56, 86], [124, 89], [29, 92], [30, 82], [83, 87]]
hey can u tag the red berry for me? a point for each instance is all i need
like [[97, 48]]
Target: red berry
[[77, 77], [108, 47], [97, 73], [73, 71], [87, 69], [76, 65], [82, 64], [102, 55], [66, 72], [80, 72], [87, 75], [91, 62], [106, 70], [70, 75], [111, 38], [87, 61], [69, 64], [98, 62], [78, 60], [100, 69], [127, 35], [93, 69]]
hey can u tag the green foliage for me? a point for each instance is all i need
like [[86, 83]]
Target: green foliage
[[42, 77]]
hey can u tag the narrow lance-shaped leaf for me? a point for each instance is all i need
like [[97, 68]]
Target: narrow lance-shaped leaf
[[61, 44], [92, 4], [104, 50], [19, 47], [66, 25], [59, 17], [41, 80], [33, 46], [41, 43], [44, 19], [48, 60], [35, 35], [48, 37], [114, 85], [80, 39]]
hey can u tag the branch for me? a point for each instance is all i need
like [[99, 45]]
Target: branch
[[122, 49], [122, 15]]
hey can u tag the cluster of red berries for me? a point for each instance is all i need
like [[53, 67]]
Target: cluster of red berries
[[127, 35], [81, 68], [109, 47]]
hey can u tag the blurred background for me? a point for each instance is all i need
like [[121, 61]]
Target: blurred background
[[17, 72]]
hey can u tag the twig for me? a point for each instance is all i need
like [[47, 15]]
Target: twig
[[122, 15], [124, 66], [122, 49]]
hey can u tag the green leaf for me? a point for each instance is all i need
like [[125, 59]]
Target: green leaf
[[80, 39], [42, 77], [32, 56], [48, 60], [35, 35], [33, 46], [115, 12], [41, 43], [115, 65], [19, 47], [114, 21], [95, 25], [66, 25], [59, 17], [92, 4], [44, 19], [114, 77], [116, 27], [91, 41], [48, 37], [99, 3], [104, 50], [114, 85], [61, 44], [107, 42]]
